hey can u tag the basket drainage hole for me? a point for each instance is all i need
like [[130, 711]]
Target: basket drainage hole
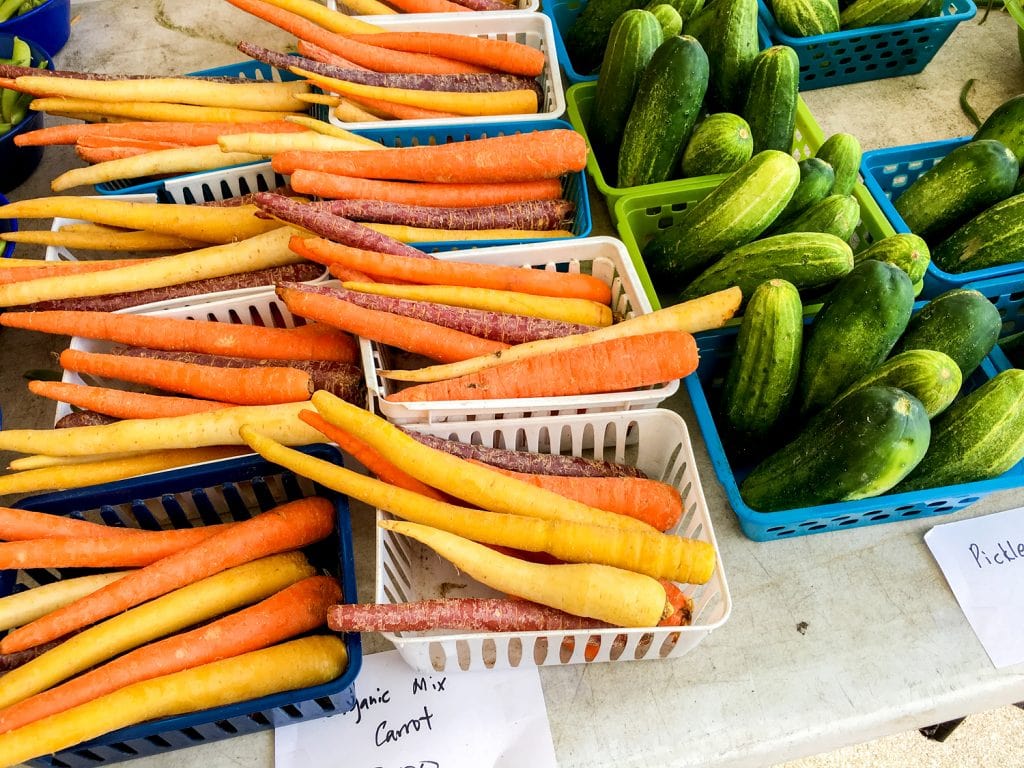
[[88, 754], [905, 507], [877, 516], [968, 500], [851, 521], [664, 222], [292, 711], [259, 718], [937, 503], [158, 741], [124, 749], [226, 726], [678, 207], [910, 513], [193, 734], [943, 509]]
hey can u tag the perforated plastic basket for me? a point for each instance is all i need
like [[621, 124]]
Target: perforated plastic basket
[[872, 53], [806, 139], [603, 257], [887, 172], [654, 440], [1007, 293], [532, 29], [206, 494], [520, 5], [7, 225], [704, 387]]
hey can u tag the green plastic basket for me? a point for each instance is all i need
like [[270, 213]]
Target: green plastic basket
[[580, 101]]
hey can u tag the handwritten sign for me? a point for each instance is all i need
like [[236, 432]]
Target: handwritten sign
[[409, 719], [983, 561]]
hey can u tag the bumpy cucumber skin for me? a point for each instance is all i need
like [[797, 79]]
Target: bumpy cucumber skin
[[932, 377], [770, 108], [842, 151], [992, 238], [979, 437], [763, 371], [854, 331], [961, 322], [835, 215], [873, 13], [805, 259], [816, 180], [721, 143], [858, 448], [669, 19], [961, 185], [733, 46], [1006, 125], [685, 8], [586, 39], [905, 250], [803, 18]]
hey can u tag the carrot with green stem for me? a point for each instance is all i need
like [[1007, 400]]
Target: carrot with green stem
[[384, 60], [297, 608], [121, 404], [190, 134], [501, 55], [287, 527]]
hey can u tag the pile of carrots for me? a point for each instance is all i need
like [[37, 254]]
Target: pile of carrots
[[376, 8], [204, 617]]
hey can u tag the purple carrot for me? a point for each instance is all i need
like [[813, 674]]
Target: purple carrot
[[529, 462], [533, 214], [9, 661], [496, 326], [336, 228], [485, 5], [84, 419], [13, 71], [342, 379], [263, 277], [246, 199], [461, 83]]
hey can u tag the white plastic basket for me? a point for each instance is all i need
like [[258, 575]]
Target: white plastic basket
[[263, 308], [656, 441], [532, 29], [223, 183], [605, 258]]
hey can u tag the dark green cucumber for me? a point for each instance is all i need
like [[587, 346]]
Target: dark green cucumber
[[735, 212], [835, 215], [1018, 188], [733, 45], [842, 151], [1006, 125], [930, 9], [992, 238], [816, 180], [860, 447], [770, 108], [585, 40], [665, 109], [1013, 348], [721, 143], [962, 323], [873, 13], [803, 18], [631, 44], [700, 24], [763, 371], [686, 9], [855, 329], [905, 250], [932, 377], [965, 182], [979, 437], [807, 260], [669, 19]]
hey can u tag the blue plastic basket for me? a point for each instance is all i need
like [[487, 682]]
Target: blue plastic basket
[[207, 494], [705, 386], [7, 225], [887, 172], [872, 53], [1007, 293], [49, 25]]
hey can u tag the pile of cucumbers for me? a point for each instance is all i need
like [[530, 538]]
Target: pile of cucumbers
[[804, 18], [969, 206], [862, 398]]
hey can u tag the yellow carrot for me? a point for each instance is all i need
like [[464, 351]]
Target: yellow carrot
[[332, 20], [23, 607], [268, 144], [332, 130], [296, 664], [350, 112], [711, 311], [41, 461], [601, 592], [176, 610], [156, 111], [425, 235], [367, 8], [102, 241]]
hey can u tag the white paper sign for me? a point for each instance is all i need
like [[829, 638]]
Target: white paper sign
[[983, 561], [408, 719]]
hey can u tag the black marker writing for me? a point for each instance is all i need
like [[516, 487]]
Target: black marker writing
[[1007, 553], [386, 735], [368, 701]]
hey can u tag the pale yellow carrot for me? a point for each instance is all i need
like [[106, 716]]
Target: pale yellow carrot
[[156, 111], [332, 20], [23, 607], [350, 112], [332, 130], [103, 241], [41, 461], [268, 144]]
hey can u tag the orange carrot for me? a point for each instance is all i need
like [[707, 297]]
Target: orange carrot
[[190, 134], [540, 282], [607, 366], [315, 52], [657, 504], [124, 141], [296, 609], [384, 60], [427, 6], [105, 154], [398, 111], [501, 55], [21, 525], [316, 342], [297, 245], [240, 386], [435, 195], [368, 456], [520, 157], [284, 528], [121, 404], [415, 336], [61, 268]]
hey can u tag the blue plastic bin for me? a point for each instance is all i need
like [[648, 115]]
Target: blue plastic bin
[[207, 494], [872, 53], [18, 163], [7, 225], [49, 25], [1007, 293], [887, 172], [705, 386]]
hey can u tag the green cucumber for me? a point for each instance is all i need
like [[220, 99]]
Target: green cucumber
[[665, 109], [961, 322], [735, 212], [930, 9], [700, 24], [721, 143], [807, 260], [855, 329], [992, 238], [842, 151], [835, 215], [770, 108], [586, 38], [686, 9], [932, 377], [733, 46], [964, 183], [873, 13], [816, 180], [860, 447], [669, 19], [804, 18], [979, 437], [905, 250], [631, 44], [763, 371], [1006, 125]]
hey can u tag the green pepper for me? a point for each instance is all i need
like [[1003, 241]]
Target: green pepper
[[21, 56], [8, 8], [29, 5]]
